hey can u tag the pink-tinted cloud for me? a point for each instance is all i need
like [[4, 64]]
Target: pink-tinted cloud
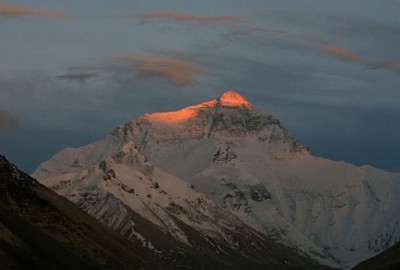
[[7, 122], [390, 64], [339, 52], [178, 71], [22, 11], [184, 17], [395, 64]]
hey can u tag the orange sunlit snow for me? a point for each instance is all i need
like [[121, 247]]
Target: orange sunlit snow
[[182, 115], [231, 98], [227, 99]]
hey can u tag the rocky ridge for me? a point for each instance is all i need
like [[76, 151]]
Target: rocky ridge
[[42, 230]]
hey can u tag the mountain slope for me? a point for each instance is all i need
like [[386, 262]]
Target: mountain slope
[[190, 229], [41, 230], [387, 260], [253, 170]]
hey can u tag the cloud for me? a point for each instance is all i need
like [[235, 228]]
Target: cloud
[[389, 64], [180, 72], [339, 52], [7, 122], [177, 71], [77, 77], [256, 34], [367, 32], [14, 11], [261, 37], [184, 17], [395, 64]]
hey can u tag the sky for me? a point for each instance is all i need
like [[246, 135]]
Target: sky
[[72, 71]]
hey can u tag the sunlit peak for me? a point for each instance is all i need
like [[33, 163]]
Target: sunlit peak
[[233, 99], [182, 115], [227, 99]]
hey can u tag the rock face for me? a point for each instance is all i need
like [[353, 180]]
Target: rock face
[[223, 165]]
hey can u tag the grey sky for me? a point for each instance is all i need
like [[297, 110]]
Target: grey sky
[[71, 71]]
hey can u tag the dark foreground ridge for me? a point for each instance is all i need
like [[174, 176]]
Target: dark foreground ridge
[[387, 260], [41, 230]]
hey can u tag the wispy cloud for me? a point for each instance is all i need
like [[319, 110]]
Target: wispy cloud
[[262, 37], [178, 71], [7, 122], [248, 33], [395, 64], [389, 64], [339, 52], [77, 77], [342, 53], [185, 17], [13, 11], [284, 39]]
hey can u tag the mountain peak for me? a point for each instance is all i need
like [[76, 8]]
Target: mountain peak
[[233, 99], [227, 99]]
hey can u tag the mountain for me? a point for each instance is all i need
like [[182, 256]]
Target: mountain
[[223, 165], [166, 215], [387, 260], [42, 230]]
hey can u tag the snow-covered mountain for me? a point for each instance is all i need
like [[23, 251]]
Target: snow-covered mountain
[[223, 165]]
